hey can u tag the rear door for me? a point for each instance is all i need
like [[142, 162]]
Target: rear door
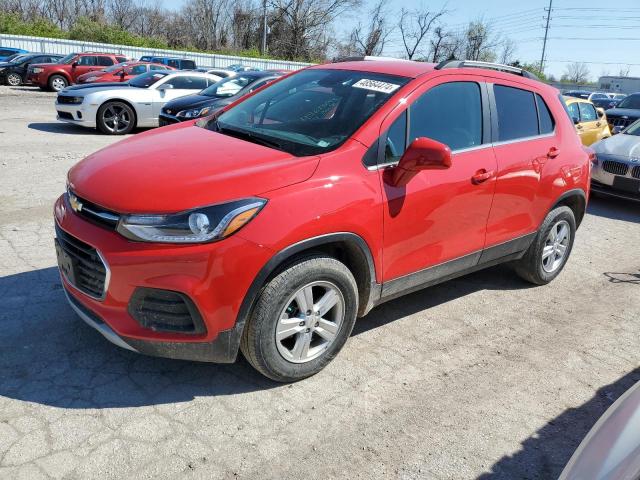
[[524, 140], [85, 64]]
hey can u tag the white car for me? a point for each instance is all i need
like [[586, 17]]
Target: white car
[[117, 108]]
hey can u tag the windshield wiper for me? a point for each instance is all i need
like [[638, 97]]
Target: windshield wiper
[[243, 135]]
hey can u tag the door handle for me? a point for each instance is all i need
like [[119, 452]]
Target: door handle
[[553, 152], [579, 127], [482, 176], [598, 124]]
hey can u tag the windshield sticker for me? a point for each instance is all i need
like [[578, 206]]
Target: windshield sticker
[[376, 85]]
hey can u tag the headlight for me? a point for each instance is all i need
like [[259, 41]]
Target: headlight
[[38, 70], [71, 100], [193, 113], [206, 224]]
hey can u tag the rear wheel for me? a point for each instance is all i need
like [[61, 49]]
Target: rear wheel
[[302, 319], [57, 83], [116, 118], [14, 79], [549, 252]]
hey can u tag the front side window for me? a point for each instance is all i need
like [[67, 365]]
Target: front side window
[[450, 113], [325, 107], [137, 69], [87, 61], [121, 59], [188, 83], [517, 115], [173, 63], [396, 141], [632, 101], [587, 112]]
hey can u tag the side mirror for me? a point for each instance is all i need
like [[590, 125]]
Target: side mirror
[[74, 64], [122, 74], [165, 86], [423, 154], [600, 112], [576, 120]]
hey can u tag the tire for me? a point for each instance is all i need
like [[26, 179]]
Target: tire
[[277, 356], [544, 261], [57, 83], [14, 79], [116, 118]]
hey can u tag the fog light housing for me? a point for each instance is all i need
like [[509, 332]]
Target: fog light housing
[[165, 311]]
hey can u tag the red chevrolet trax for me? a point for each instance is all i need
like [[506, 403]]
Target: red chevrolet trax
[[57, 76], [271, 227]]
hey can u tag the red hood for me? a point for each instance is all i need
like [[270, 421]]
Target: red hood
[[181, 167]]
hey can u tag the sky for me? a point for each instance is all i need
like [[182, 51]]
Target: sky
[[605, 37]]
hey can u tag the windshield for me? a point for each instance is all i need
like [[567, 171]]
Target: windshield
[[68, 59], [17, 58], [311, 112], [227, 87], [147, 79], [632, 101], [633, 129]]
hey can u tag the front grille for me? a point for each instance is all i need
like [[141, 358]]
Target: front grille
[[635, 173], [165, 311], [621, 122], [87, 271], [92, 212], [65, 115], [617, 168]]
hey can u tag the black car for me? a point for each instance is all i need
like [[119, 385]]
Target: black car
[[212, 98], [14, 73], [624, 113], [602, 100]]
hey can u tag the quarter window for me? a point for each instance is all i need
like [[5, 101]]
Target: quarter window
[[450, 113], [517, 115], [544, 116], [574, 113], [587, 112]]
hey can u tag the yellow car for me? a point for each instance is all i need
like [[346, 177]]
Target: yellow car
[[591, 122]]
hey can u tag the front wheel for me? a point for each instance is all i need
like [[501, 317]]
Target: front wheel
[[14, 80], [57, 83], [549, 252], [302, 319], [116, 118]]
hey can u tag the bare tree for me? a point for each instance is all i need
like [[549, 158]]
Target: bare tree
[[576, 72], [414, 27], [123, 13], [508, 51], [478, 43], [370, 38], [624, 71], [444, 45]]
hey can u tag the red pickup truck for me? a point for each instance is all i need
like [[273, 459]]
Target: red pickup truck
[[57, 76]]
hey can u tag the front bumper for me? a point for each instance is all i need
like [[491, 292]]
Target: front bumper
[[77, 114], [215, 276]]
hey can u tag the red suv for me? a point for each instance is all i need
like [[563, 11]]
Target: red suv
[[271, 227], [57, 76], [120, 72]]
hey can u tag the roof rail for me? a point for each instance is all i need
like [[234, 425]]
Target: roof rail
[[362, 58], [491, 66]]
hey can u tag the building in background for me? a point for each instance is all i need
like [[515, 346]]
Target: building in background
[[619, 84]]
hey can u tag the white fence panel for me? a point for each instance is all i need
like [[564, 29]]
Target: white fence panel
[[56, 45]]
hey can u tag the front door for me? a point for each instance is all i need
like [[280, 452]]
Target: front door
[[440, 216]]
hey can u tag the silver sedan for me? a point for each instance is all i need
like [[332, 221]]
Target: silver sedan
[[616, 171], [118, 108]]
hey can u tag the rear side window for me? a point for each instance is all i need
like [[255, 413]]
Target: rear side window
[[157, 67], [121, 59], [138, 69], [450, 113], [587, 112], [544, 116], [105, 61], [517, 113], [188, 65]]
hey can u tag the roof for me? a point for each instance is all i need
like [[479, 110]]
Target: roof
[[404, 68], [568, 99]]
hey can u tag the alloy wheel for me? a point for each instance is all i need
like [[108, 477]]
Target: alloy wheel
[[117, 118], [310, 322], [14, 79], [556, 246], [58, 84]]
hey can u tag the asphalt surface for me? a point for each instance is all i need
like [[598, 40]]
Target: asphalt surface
[[481, 377]]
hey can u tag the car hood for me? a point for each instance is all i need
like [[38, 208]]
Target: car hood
[[181, 167], [619, 112], [621, 145], [194, 101], [87, 88]]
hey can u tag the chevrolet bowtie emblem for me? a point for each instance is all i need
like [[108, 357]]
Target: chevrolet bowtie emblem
[[76, 204]]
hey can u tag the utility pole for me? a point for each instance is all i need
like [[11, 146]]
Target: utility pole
[[546, 32], [264, 27]]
